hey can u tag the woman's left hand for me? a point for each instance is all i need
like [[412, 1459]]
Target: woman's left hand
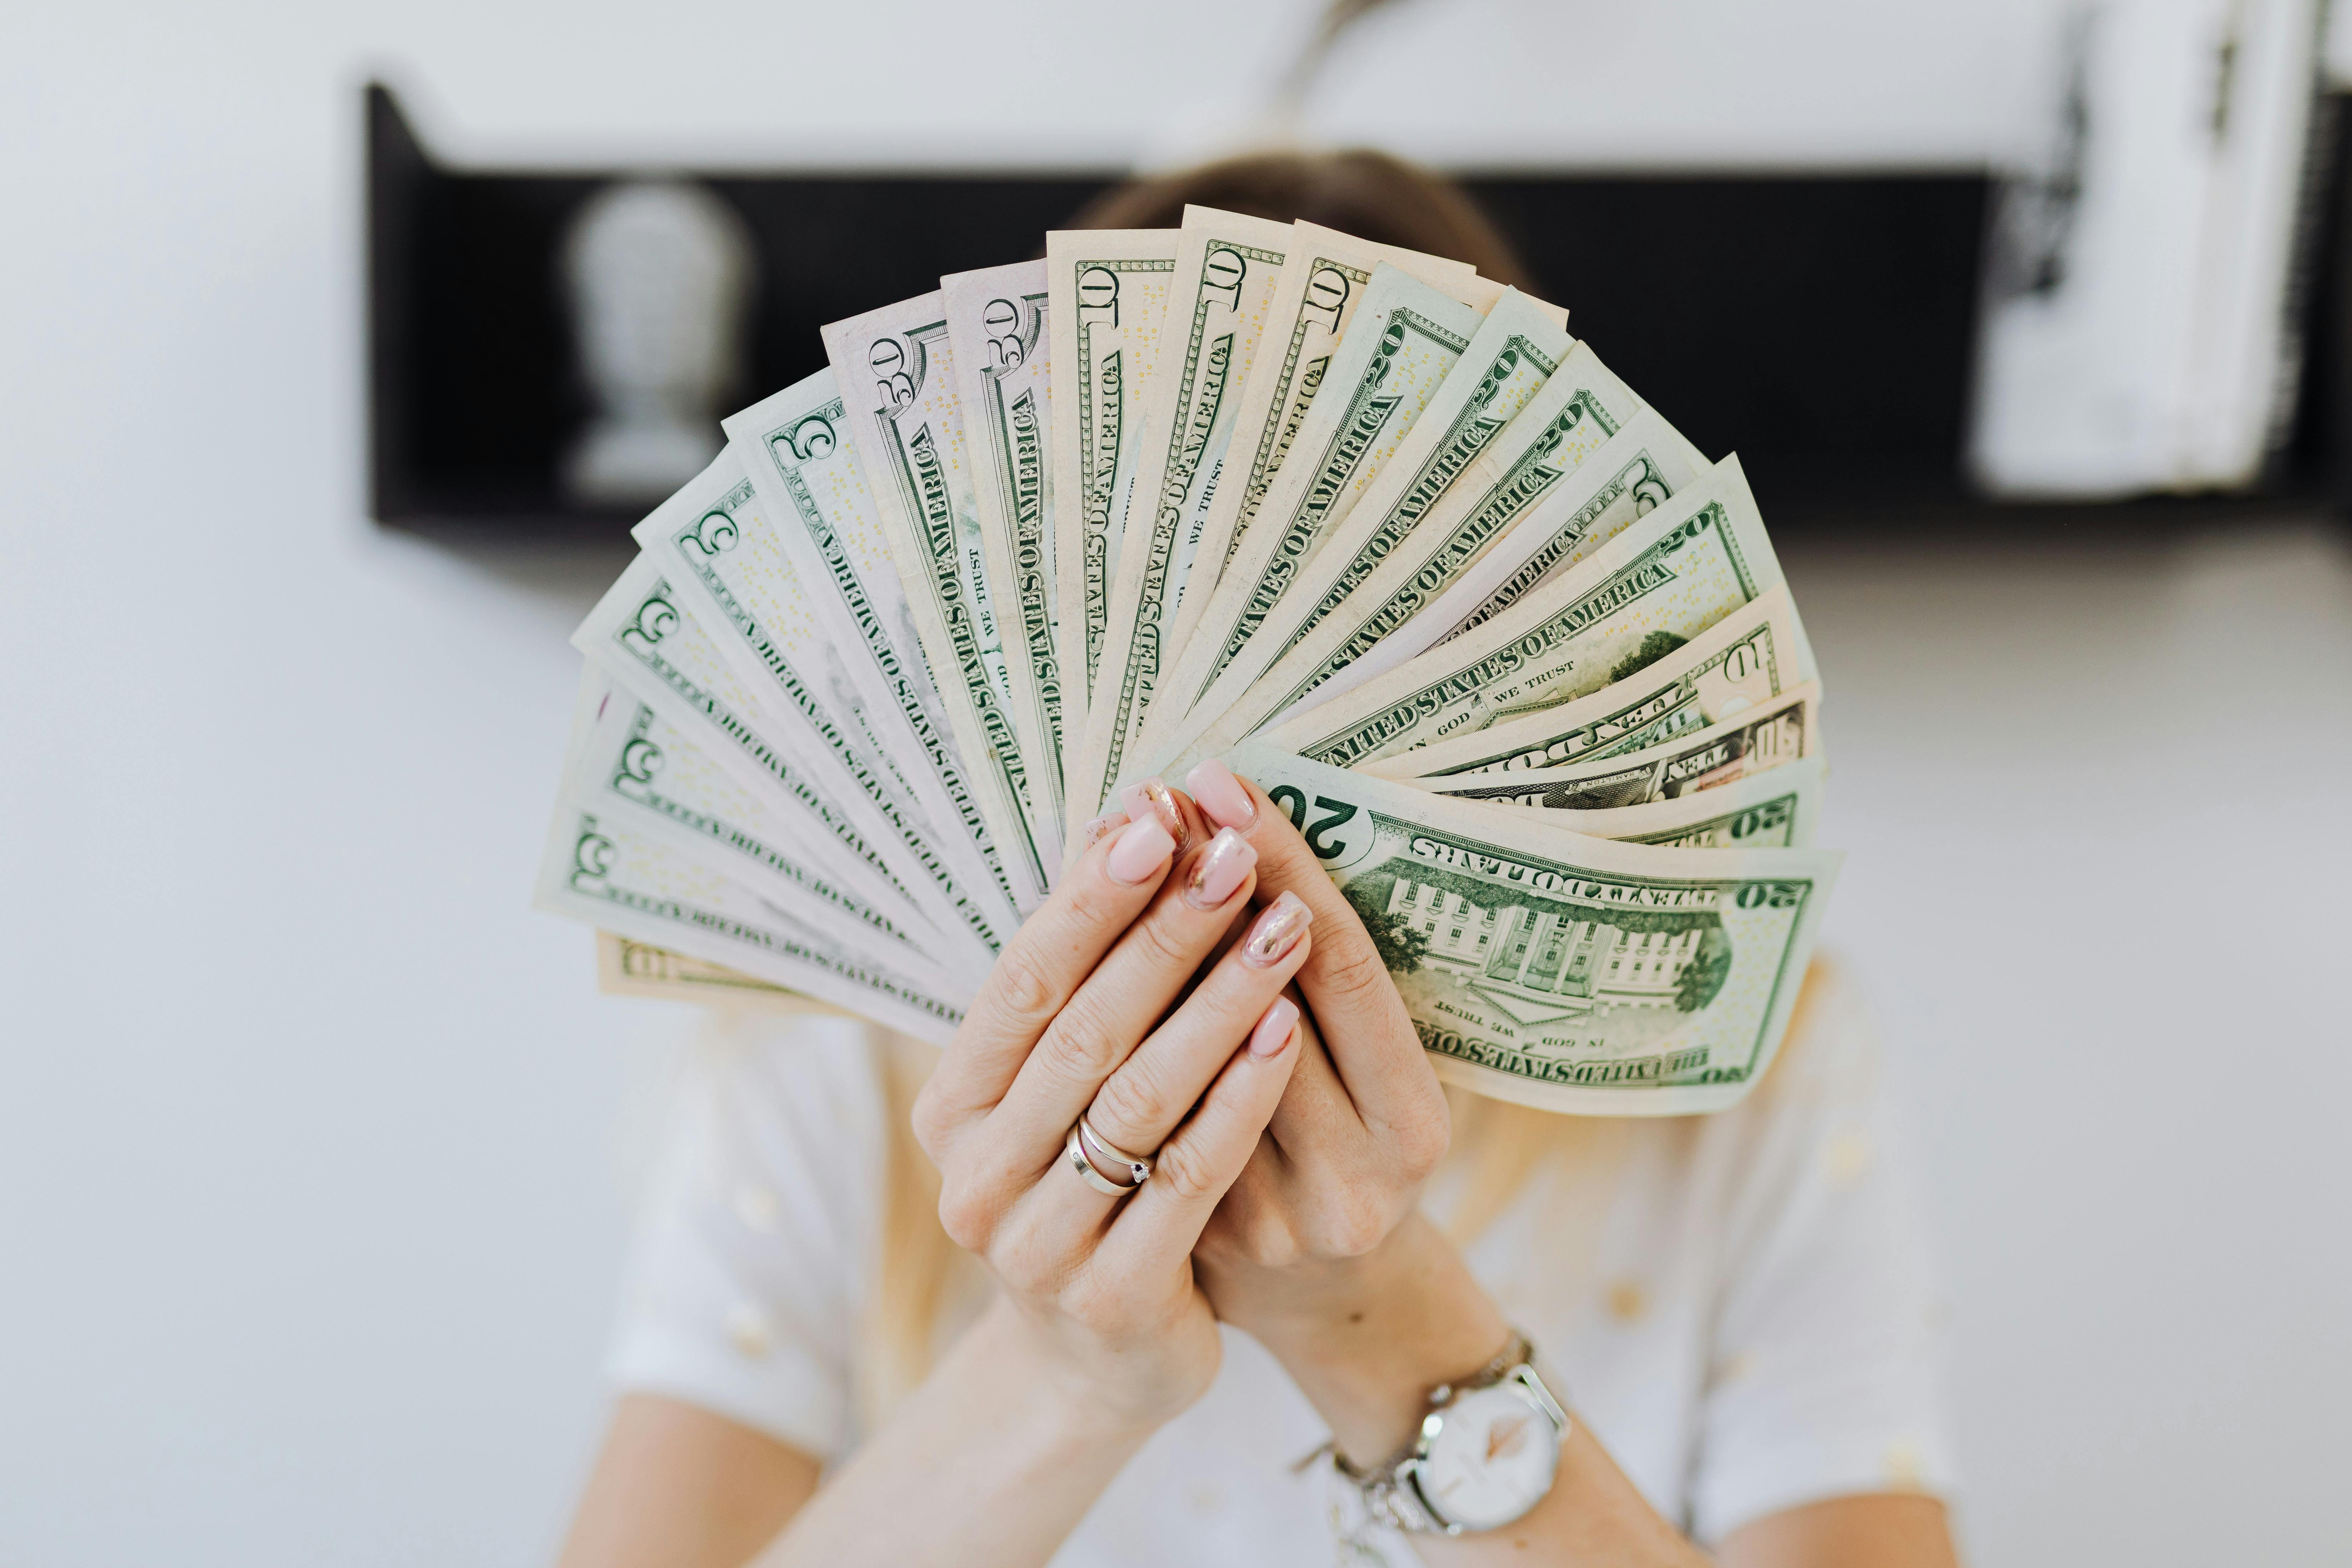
[[1318, 1249], [1362, 1123]]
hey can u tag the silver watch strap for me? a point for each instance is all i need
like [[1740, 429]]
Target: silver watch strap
[[1517, 1351], [1387, 1498], [1390, 1501]]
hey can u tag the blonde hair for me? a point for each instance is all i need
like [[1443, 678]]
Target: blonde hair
[[916, 1264], [1497, 1148]]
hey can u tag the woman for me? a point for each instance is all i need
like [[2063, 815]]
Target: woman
[[1727, 1333]]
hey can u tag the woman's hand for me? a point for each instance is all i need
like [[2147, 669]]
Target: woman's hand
[[1318, 1249], [1100, 1333], [1075, 1019], [1362, 1123]]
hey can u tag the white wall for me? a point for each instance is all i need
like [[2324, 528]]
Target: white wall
[[1847, 82], [313, 1141], [2094, 792]]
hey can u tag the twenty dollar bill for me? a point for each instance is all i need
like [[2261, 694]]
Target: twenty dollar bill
[[1571, 973], [896, 375]]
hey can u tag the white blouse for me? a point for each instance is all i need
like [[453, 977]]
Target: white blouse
[[1740, 1305]]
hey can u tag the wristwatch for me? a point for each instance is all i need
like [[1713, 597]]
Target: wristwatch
[[1485, 1454]]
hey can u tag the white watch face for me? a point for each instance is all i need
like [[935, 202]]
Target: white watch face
[[1494, 1457]]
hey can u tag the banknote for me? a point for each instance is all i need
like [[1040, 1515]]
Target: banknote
[[1662, 581], [1746, 657], [625, 968], [1433, 537], [1752, 742], [1558, 969], [1324, 283], [1514, 352], [1106, 299], [1404, 341], [628, 762], [813, 495], [636, 635], [605, 872], [716, 547], [1636, 469], [1513, 657], [897, 380], [713, 539], [643, 636], [996, 332], [1778, 809], [1228, 266]]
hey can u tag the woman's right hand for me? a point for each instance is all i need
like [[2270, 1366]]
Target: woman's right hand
[[1070, 1022]]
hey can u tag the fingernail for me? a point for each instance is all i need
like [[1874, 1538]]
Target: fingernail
[[1276, 932], [1092, 833], [1139, 850], [1220, 872], [1273, 1031], [1153, 798], [1222, 795]]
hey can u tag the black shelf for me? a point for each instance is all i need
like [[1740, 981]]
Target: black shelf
[[1821, 326]]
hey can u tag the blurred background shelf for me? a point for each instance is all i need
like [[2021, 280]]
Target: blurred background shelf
[[1825, 324], [1819, 324]]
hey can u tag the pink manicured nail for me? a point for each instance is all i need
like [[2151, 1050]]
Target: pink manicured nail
[[1276, 932], [1140, 850], [1095, 828], [1220, 872], [1273, 1031], [1222, 795], [1153, 798]]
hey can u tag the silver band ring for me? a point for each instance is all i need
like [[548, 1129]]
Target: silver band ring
[[1091, 1155], [1085, 1167], [1104, 1152]]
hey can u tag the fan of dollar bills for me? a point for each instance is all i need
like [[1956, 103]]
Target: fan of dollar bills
[[1515, 656]]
